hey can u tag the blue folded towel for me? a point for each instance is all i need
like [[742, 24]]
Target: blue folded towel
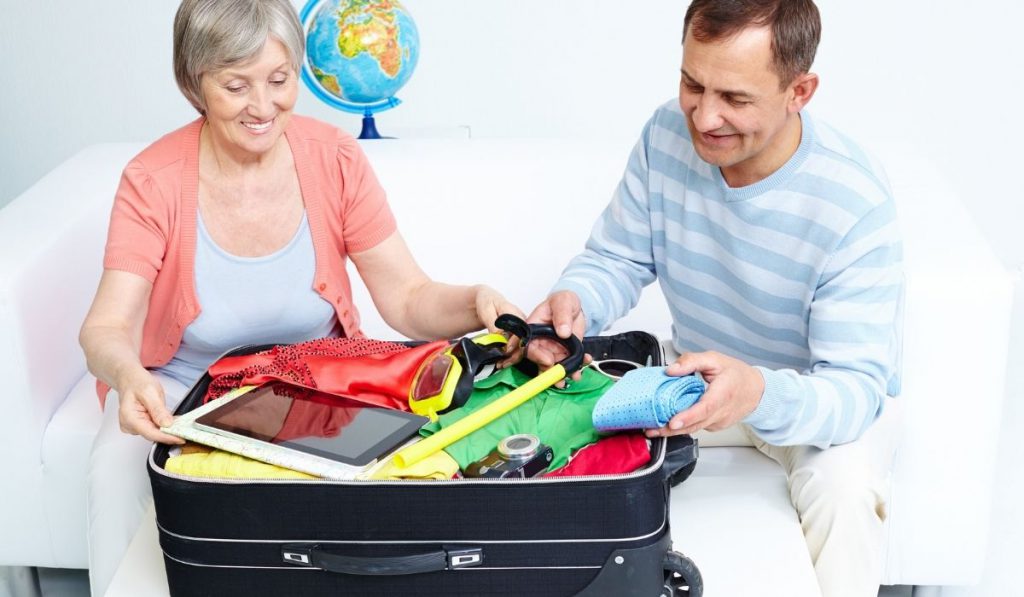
[[646, 398]]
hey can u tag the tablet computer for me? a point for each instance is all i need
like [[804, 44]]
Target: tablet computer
[[323, 426]]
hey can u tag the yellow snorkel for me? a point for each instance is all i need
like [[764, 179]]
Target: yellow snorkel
[[478, 419]]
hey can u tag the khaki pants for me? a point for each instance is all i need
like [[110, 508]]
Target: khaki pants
[[841, 494], [118, 488]]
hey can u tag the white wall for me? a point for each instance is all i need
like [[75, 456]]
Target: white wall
[[925, 71], [945, 76]]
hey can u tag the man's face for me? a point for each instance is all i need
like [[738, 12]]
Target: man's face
[[735, 110]]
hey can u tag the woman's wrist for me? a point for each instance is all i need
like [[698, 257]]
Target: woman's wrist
[[483, 303], [126, 374]]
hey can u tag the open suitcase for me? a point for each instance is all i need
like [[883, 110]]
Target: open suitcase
[[604, 535]]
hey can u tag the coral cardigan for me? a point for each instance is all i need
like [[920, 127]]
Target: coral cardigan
[[153, 224]]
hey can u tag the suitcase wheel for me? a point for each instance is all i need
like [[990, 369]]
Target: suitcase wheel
[[682, 578]]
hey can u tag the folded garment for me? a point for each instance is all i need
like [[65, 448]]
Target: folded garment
[[197, 460], [438, 466], [646, 398], [208, 462]]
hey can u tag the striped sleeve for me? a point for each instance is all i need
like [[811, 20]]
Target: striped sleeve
[[853, 337], [618, 261]]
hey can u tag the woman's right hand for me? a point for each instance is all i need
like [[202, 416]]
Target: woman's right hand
[[141, 407], [111, 337]]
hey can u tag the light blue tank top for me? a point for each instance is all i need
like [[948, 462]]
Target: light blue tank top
[[250, 300]]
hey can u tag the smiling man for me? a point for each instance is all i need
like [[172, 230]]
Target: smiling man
[[774, 239]]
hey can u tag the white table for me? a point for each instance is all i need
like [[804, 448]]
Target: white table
[[739, 528]]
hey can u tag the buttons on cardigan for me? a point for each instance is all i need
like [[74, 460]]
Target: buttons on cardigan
[[323, 286]]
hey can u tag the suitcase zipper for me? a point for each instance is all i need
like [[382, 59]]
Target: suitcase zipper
[[247, 348], [652, 467]]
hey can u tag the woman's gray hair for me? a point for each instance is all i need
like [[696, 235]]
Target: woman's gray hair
[[210, 35]]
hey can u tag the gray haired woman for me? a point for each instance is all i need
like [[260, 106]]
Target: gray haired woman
[[231, 230]]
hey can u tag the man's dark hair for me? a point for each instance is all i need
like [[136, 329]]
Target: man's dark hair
[[795, 27]]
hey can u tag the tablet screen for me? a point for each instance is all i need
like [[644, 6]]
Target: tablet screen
[[339, 429]]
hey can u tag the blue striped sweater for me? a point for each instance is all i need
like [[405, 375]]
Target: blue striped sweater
[[799, 274]]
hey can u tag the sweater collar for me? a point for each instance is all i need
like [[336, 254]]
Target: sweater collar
[[777, 178]]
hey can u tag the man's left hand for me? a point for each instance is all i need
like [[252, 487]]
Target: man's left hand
[[734, 390]]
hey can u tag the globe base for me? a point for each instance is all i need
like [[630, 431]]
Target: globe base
[[369, 128]]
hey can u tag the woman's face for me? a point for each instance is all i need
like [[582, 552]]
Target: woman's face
[[248, 105]]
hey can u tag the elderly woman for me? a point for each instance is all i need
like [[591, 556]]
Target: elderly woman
[[233, 230]]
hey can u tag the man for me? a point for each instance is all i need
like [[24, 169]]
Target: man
[[774, 240]]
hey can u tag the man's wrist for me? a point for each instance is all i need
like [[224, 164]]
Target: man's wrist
[[770, 410]]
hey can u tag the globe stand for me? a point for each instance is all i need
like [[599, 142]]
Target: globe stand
[[369, 130]]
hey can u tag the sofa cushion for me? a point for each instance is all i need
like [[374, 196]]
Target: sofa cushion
[[734, 519]]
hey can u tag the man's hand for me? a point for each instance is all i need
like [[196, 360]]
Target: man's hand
[[141, 407], [734, 390], [563, 311]]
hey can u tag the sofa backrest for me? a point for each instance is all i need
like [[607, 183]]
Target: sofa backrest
[[507, 213]]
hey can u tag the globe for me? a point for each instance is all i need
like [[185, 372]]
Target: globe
[[359, 53]]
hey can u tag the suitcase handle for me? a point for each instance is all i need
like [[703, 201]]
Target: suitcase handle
[[443, 558]]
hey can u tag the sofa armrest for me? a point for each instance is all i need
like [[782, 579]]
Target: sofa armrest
[[956, 338], [51, 245], [51, 241]]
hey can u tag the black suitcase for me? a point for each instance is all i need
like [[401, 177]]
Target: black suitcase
[[602, 535]]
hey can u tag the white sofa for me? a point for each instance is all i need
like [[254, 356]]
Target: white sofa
[[510, 213]]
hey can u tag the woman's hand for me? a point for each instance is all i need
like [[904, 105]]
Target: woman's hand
[[110, 337], [141, 407], [490, 304]]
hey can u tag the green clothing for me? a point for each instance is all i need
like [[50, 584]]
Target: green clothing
[[560, 418]]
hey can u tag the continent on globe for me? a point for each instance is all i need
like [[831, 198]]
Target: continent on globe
[[359, 53], [370, 26], [328, 81]]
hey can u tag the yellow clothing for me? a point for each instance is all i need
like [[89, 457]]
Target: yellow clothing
[[438, 466], [201, 461], [198, 462]]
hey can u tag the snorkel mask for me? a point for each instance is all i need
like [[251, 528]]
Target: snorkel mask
[[445, 379]]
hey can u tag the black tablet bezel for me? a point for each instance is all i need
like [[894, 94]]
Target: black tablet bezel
[[410, 427]]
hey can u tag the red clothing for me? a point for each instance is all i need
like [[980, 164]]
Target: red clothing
[[308, 418], [368, 371], [153, 224], [613, 455]]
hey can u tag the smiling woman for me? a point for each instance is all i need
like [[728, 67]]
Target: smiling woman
[[235, 229], [259, 95], [248, 106]]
